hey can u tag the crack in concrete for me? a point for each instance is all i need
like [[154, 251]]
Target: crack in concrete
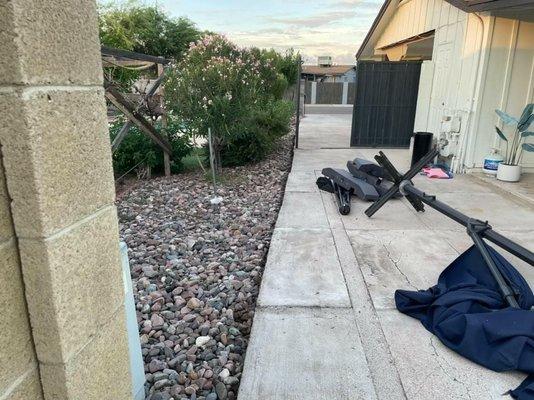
[[442, 367], [396, 264], [366, 317]]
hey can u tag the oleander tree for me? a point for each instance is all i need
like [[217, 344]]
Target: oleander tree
[[219, 86]]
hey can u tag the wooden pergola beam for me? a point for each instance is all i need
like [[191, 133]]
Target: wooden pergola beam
[[131, 55], [113, 95], [126, 127]]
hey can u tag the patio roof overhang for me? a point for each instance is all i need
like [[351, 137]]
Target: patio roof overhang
[[492, 5], [514, 9]]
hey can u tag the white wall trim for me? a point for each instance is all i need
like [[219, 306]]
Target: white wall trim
[[505, 94], [483, 76], [530, 93]]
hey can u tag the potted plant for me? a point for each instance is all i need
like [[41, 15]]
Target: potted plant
[[510, 169]]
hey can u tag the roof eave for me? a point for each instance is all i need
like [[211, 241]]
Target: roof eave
[[489, 6], [373, 28], [461, 4]]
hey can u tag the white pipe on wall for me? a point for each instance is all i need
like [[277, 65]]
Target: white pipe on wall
[[508, 74], [458, 161]]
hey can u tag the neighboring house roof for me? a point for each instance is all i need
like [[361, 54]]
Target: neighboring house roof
[[330, 71], [509, 8]]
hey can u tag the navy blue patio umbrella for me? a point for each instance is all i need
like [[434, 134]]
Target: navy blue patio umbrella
[[481, 306]]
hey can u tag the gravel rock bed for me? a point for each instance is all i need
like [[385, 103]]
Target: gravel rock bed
[[196, 270]]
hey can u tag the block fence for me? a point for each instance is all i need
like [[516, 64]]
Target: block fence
[[330, 92], [61, 286]]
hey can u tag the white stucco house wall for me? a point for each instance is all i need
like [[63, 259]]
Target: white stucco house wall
[[478, 56]]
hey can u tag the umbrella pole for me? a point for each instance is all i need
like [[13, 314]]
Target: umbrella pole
[[473, 230]]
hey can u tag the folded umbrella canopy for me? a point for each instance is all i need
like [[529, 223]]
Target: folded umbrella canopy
[[468, 313]]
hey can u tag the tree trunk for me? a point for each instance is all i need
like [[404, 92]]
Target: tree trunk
[[217, 148]]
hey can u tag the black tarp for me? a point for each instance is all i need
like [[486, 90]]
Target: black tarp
[[466, 311]]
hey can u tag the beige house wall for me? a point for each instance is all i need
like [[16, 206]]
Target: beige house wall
[[57, 165], [414, 17], [509, 84], [479, 63]]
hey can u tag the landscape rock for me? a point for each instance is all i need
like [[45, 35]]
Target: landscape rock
[[196, 269], [221, 391], [156, 365], [202, 340]]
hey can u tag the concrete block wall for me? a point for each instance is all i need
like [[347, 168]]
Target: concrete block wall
[[19, 373], [58, 173]]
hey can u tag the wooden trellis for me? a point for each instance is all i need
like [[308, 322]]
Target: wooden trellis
[[133, 113]]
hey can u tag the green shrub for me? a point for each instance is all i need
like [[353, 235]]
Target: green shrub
[[279, 86], [286, 64], [274, 117], [267, 124], [142, 28], [218, 86], [137, 150], [236, 93], [246, 148]]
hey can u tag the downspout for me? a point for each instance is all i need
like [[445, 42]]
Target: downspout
[[457, 163]]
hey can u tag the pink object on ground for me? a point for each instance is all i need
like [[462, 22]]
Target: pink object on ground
[[437, 173]]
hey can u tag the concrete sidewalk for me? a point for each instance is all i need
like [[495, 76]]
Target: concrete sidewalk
[[326, 326], [328, 109]]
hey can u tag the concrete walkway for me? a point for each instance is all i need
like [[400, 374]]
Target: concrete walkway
[[328, 109], [326, 326]]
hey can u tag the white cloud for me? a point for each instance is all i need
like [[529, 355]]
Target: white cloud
[[337, 32], [339, 42], [320, 27], [358, 4], [316, 20]]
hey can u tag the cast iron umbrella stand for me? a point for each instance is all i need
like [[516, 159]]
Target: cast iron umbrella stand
[[476, 229]]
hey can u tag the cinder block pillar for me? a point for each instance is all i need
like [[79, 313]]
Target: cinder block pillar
[[313, 93], [57, 160], [302, 96], [19, 373], [345, 95]]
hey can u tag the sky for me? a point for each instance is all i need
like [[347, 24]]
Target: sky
[[314, 27]]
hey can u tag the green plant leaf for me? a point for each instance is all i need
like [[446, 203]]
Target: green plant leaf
[[527, 112], [524, 126], [501, 135], [506, 118], [528, 147], [526, 134]]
